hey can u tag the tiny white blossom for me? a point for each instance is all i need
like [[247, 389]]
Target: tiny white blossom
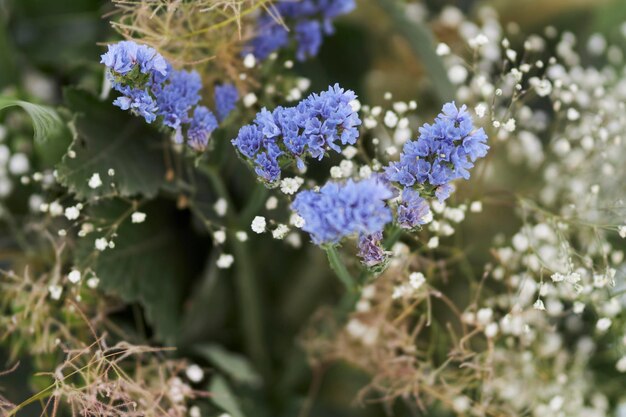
[[101, 244], [258, 224], [442, 49], [349, 152], [220, 207], [19, 164], [621, 364], [294, 240], [391, 119], [476, 206], [491, 330], [55, 209], [93, 282], [480, 110], [138, 217], [433, 242], [539, 305], [271, 203], [335, 172], [249, 100], [622, 231], [194, 411], [603, 324], [249, 61], [74, 276], [111, 172], [296, 220], [509, 126], [280, 232], [72, 213], [219, 236], [290, 186], [194, 373], [95, 181], [365, 171], [55, 291], [241, 236], [225, 261]]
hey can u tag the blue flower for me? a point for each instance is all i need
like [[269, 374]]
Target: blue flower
[[138, 101], [200, 128], [124, 56], [444, 152], [341, 210], [310, 18], [226, 96], [178, 96], [315, 125], [309, 39], [371, 251], [412, 209], [249, 141]]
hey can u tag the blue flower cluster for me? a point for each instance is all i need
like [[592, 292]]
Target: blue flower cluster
[[318, 123], [371, 250], [341, 210], [311, 19], [444, 152], [226, 96], [151, 88]]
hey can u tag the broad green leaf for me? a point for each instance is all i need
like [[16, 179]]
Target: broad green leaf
[[231, 364], [46, 121], [223, 397], [152, 262], [110, 140]]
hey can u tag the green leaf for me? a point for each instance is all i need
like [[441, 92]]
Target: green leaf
[[233, 365], [223, 397], [152, 262], [107, 138], [46, 121]]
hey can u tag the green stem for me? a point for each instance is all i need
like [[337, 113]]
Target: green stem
[[254, 204], [396, 234], [340, 269], [421, 41]]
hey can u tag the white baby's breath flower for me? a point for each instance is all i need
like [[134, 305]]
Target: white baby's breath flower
[[95, 181], [335, 172], [93, 282], [258, 224], [250, 100], [433, 242], [539, 305], [349, 152], [249, 61], [296, 220], [225, 261], [280, 232], [72, 213], [603, 324], [622, 231], [290, 186], [55, 291], [442, 49], [138, 217], [194, 373], [220, 207], [476, 206], [101, 244], [219, 236], [55, 209], [271, 203], [241, 236], [74, 276]]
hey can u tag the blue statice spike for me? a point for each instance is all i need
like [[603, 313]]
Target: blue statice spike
[[123, 57], [345, 209], [178, 96], [412, 209], [138, 101], [371, 250], [152, 89], [226, 96], [317, 124], [310, 19], [202, 125], [444, 151]]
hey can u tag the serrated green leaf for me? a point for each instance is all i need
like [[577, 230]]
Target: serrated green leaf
[[231, 364], [107, 139], [223, 397], [46, 121], [151, 263]]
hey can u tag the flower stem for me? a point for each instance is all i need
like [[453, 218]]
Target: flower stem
[[340, 269]]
